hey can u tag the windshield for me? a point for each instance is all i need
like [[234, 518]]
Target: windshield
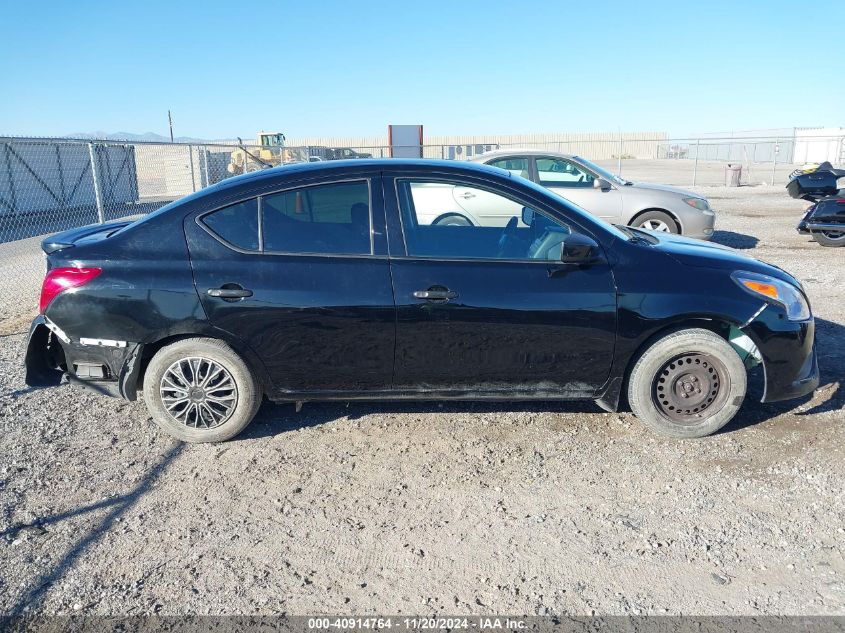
[[601, 171]]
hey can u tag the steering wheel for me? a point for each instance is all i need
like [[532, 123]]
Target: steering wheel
[[507, 236]]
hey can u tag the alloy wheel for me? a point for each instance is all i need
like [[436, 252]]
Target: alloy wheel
[[198, 392], [690, 388], [655, 225]]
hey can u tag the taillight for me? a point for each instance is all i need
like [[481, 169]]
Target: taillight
[[60, 279]]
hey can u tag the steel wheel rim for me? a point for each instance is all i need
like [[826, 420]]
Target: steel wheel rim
[[198, 393], [655, 225], [690, 388]]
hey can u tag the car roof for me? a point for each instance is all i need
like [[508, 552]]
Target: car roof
[[353, 165], [518, 151]]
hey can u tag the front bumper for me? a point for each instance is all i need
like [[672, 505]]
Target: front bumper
[[52, 356], [788, 351], [698, 224]]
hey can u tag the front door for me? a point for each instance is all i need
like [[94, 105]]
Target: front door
[[572, 181], [310, 291], [483, 309]]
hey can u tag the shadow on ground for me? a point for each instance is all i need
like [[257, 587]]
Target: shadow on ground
[[118, 506], [735, 240], [273, 418]]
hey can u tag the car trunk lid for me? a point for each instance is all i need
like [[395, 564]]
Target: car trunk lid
[[81, 235]]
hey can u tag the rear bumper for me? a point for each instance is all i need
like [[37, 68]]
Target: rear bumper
[[788, 350], [51, 356]]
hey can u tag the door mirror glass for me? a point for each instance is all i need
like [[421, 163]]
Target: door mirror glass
[[578, 249], [601, 183], [527, 216]]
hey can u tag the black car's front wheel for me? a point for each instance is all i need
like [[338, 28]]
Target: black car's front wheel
[[687, 384], [200, 390]]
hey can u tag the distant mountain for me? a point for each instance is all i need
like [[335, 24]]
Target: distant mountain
[[128, 136]]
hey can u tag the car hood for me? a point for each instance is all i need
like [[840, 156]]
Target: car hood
[[701, 254], [648, 186]]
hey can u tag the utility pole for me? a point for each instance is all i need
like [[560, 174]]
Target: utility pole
[[170, 121]]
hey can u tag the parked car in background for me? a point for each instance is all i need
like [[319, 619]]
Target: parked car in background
[[326, 281], [594, 189], [340, 153]]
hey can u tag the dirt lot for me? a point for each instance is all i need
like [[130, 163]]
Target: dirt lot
[[429, 508]]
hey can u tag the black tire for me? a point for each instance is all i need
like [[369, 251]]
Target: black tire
[[687, 384], [206, 401], [830, 238], [452, 219], [651, 219]]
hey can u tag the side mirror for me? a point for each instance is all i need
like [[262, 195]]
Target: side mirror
[[601, 183], [579, 249], [527, 216]]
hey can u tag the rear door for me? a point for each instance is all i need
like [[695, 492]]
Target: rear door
[[301, 276], [574, 182]]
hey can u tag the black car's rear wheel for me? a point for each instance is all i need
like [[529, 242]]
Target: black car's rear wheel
[[200, 390], [830, 238], [687, 384]]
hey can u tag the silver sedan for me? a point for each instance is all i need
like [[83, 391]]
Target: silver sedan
[[614, 199]]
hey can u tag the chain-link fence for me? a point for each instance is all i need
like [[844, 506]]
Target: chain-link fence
[[49, 184]]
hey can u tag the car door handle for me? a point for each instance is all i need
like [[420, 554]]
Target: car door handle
[[233, 291], [433, 294]]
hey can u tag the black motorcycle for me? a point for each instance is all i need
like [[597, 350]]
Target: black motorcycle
[[825, 218]]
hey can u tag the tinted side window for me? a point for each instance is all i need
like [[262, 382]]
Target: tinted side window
[[557, 172], [325, 219], [236, 224]]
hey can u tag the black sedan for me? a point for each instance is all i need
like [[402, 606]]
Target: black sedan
[[328, 281]]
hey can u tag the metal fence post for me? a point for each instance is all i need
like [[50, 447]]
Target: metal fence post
[[774, 160], [207, 180], [191, 160], [695, 164], [95, 174], [619, 161]]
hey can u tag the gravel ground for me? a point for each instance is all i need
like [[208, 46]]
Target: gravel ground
[[430, 508]]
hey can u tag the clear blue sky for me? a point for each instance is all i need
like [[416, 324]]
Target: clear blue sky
[[351, 67]]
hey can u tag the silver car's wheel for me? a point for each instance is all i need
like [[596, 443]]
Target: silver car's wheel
[[198, 392], [655, 221], [655, 225], [452, 219], [201, 390]]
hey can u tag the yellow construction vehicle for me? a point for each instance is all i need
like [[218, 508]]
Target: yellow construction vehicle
[[269, 151]]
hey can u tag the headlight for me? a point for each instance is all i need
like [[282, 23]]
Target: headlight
[[698, 203], [777, 291]]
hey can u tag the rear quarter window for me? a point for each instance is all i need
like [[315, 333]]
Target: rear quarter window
[[236, 224]]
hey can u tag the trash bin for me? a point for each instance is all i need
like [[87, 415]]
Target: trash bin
[[733, 174]]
